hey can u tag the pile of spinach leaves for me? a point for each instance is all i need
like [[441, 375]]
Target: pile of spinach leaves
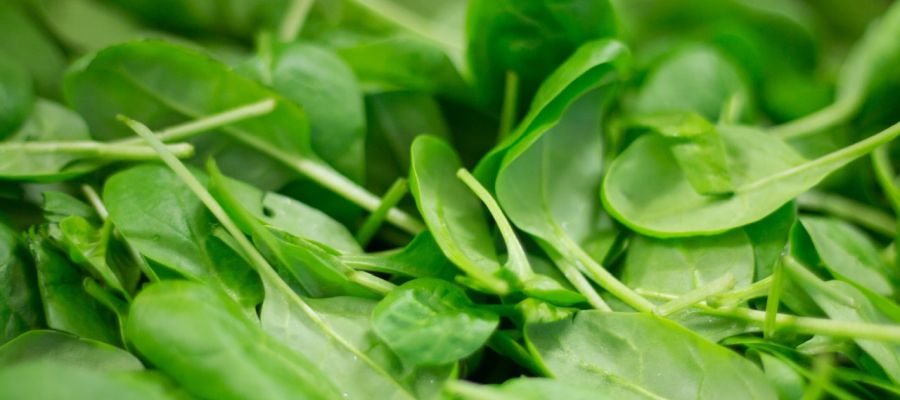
[[461, 199]]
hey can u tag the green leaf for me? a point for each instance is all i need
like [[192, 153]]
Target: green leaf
[[765, 171], [58, 347], [190, 331], [88, 246], [453, 214], [20, 302], [315, 78], [871, 62], [594, 64], [695, 79], [16, 96], [788, 383], [59, 205], [167, 224], [530, 38], [677, 266], [540, 389], [697, 148], [847, 253], [67, 307], [51, 380], [643, 354], [28, 44], [236, 18], [432, 322], [421, 258]]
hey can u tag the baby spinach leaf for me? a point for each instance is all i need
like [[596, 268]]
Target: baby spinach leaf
[[20, 305], [529, 38], [677, 266], [189, 330], [421, 258], [166, 223], [694, 79], [770, 236], [432, 322], [643, 354], [593, 64], [453, 215], [48, 122], [236, 18], [766, 174], [88, 246], [58, 347], [33, 381], [845, 252], [292, 216], [788, 383], [324, 85], [28, 44], [59, 205], [67, 307], [696, 146], [16, 96]]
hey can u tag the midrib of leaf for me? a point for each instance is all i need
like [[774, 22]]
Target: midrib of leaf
[[829, 161], [408, 20], [267, 273]]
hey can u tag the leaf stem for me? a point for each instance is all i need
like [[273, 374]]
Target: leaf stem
[[754, 290], [830, 116], [605, 279], [695, 296], [293, 20], [374, 221], [774, 299], [92, 149], [840, 157], [886, 176], [510, 105], [518, 262], [502, 343], [371, 282], [193, 128], [581, 284], [863, 215]]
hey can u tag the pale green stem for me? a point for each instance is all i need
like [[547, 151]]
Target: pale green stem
[[294, 17], [109, 151], [774, 299], [574, 276], [95, 290], [822, 371], [510, 105], [754, 290], [859, 213], [193, 128], [844, 155], [605, 279], [518, 262], [98, 205], [805, 325], [503, 344], [884, 172], [695, 296], [371, 282], [471, 391], [374, 221], [731, 110], [269, 277], [833, 115]]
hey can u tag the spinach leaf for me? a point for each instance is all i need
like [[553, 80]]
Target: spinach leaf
[[67, 306], [677, 266], [453, 215], [421, 258], [432, 322], [529, 38], [58, 347], [20, 306], [766, 174], [30, 381], [16, 96], [28, 44], [695, 79], [59, 205], [324, 85], [88, 246], [189, 330], [645, 355], [167, 224], [538, 389], [234, 18], [845, 252]]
